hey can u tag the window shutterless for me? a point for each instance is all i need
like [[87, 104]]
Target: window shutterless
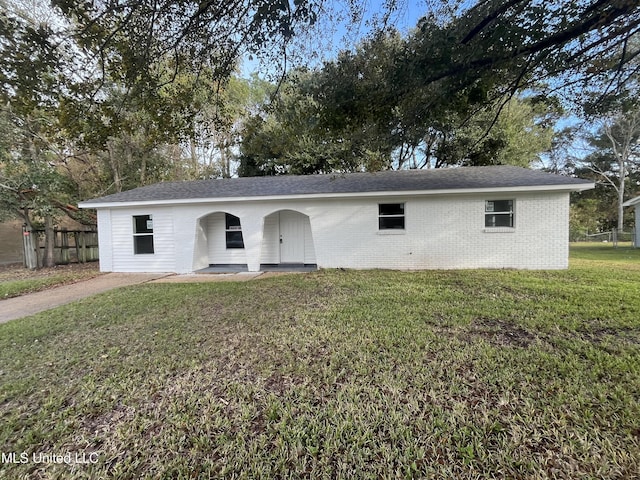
[[142, 234], [391, 216], [499, 213], [233, 232]]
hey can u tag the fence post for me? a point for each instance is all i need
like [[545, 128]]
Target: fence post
[[614, 232], [82, 257], [29, 248], [76, 241], [92, 249], [64, 246]]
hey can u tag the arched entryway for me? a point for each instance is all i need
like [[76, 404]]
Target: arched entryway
[[287, 241], [222, 244]]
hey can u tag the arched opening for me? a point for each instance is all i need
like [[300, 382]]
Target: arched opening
[[287, 242], [221, 245]]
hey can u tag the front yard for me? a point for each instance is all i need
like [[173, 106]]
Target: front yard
[[15, 280], [335, 374]]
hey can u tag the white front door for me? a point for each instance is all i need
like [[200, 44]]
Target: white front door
[[291, 237]]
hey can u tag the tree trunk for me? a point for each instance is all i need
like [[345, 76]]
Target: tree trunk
[[115, 168], [49, 242], [621, 200], [623, 132], [143, 170], [194, 157]]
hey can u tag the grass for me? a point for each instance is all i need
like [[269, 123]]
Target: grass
[[598, 252], [16, 280], [378, 374]]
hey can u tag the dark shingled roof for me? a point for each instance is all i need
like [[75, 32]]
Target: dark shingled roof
[[387, 181]]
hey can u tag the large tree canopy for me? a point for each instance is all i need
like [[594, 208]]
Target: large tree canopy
[[520, 38], [157, 52], [322, 122], [148, 43]]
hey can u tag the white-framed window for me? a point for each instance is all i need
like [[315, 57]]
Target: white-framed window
[[499, 213], [142, 234], [233, 232], [391, 216]]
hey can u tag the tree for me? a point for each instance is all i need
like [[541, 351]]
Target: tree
[[618, 154], [480, 52], [32, 186], [355, 114], [524, 42], [217, 132], [518, 38], [273, 136], [145, 45], [293, 135]]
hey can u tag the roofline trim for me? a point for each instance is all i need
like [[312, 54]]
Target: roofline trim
[[632, 202], [575, 187]]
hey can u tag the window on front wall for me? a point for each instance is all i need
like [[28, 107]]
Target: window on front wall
[[142, 234], [391, 216], [498, 213], [233, 231]]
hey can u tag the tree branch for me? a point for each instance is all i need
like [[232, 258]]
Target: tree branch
[[586, 25], [488, 19]]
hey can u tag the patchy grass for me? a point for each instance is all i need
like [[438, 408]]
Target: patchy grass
[[445, 374], [16, 280]]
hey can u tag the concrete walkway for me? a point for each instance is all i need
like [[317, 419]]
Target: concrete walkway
[[32, 303]]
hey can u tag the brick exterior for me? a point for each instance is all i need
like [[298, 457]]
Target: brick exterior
[[441, 232]]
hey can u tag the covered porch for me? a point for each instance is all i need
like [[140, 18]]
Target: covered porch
[[233, 241]]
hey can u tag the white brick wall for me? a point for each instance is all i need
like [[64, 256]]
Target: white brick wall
[[444, 232], [440, 232]]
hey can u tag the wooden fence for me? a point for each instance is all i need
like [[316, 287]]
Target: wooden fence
[[70, 246]]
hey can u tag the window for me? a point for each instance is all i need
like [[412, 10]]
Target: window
[[142, 234], [391, 216], [233, 231], [498, 213]]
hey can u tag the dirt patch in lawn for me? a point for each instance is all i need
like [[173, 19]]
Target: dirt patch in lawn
[[605, 336], [496, 332], [501, 333]]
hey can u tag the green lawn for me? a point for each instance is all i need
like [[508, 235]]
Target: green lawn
[[336, 374], [16, 280], [605, 252]]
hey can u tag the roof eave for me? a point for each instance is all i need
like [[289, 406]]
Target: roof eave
[[574, 187]]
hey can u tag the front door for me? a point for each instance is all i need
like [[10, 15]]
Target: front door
[[291, 237]]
